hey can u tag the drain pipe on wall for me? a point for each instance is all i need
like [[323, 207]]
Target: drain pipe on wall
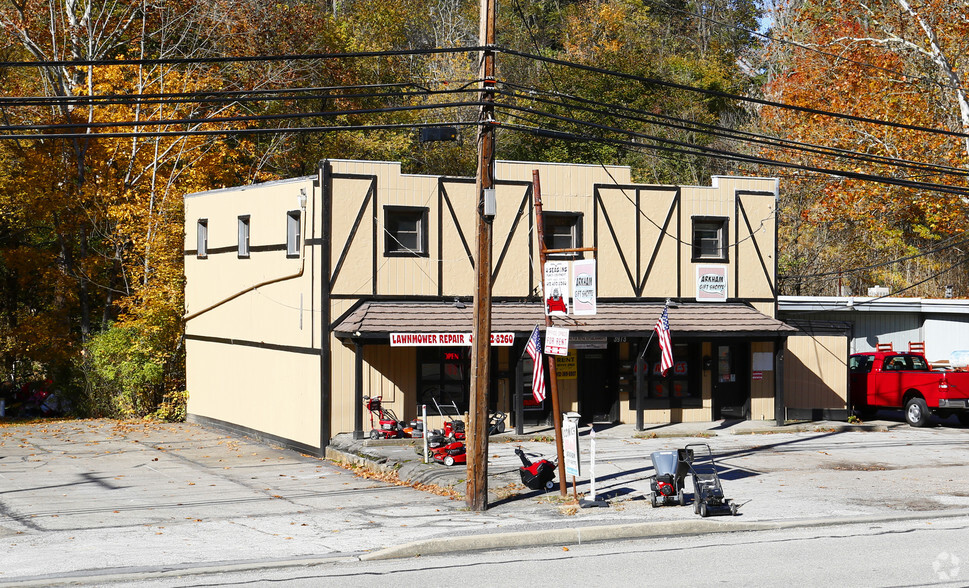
[[302, 266]]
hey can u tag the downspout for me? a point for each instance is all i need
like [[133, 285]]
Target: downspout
[[302, 266]]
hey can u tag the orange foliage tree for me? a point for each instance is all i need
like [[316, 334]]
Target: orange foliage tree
[[889, 61]]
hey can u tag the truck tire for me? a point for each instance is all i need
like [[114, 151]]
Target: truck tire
[[963, 418], [916, 412]]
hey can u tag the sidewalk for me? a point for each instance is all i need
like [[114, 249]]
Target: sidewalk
[[98, 501], [404, 456]]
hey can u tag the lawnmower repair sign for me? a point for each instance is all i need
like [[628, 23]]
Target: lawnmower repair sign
[[440, 339]]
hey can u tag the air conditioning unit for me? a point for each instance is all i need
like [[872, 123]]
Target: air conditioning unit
[[876, 291]]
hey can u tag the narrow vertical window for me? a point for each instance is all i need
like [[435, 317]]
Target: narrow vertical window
[[244, 236], [202, 239], [292, 233]]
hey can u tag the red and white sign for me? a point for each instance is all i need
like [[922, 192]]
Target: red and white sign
[[757, 376], [556, 286], [556, 341], [443, 339]]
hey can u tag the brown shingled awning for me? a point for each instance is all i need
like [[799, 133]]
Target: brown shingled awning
[[377, 319]]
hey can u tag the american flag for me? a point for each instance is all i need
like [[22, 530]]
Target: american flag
[[662, 329], [534, 349]]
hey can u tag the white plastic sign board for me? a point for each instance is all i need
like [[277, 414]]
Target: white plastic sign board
[[556, 341], [711, 283], [584, 287], [557, 288], [570, 447]]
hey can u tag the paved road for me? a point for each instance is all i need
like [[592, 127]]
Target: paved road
[[98, 497]]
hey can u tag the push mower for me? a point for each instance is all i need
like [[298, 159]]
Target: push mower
[[538, 475], [453, 427], [666, 485], [496, 422], [707, 491], [389, 426], [444, 450]]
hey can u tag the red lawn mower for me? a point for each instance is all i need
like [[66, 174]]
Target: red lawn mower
[[446, 450], [388, 425]]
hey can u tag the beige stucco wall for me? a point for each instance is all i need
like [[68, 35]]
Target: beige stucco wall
[[247, 385], [816, 371]]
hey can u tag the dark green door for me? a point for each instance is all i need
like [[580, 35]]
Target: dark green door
[[731, 383]]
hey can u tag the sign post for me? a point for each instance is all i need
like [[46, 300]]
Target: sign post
[[570, 447]]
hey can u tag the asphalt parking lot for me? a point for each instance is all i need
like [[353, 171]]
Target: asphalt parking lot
[[88, 497]]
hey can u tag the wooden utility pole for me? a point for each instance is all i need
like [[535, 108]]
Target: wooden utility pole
[[553, 387], [476, 493]]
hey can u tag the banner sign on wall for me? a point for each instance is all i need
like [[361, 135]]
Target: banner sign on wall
[[557, 288], [711, 283], [584, 287], [437, 339]]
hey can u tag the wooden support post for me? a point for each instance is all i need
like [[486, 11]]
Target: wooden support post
[[553, 389]]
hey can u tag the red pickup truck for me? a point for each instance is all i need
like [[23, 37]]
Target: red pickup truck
[[893, 379]]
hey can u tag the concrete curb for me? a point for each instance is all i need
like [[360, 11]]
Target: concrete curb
[[579, 535], [101, 577]]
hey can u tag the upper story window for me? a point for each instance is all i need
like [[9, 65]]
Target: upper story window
[[244, 236], [292, 233], [405, 231], [563, 230], [202, 239], [709, 238]]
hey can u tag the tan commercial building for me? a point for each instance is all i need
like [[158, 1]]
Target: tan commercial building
[[304, 296]]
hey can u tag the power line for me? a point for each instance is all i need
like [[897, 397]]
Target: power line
[[719, 94], [692, 149], [238, 59], [732, 134]]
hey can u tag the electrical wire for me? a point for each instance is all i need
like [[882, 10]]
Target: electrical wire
[[720, 94], [692, 149], [682, 124]]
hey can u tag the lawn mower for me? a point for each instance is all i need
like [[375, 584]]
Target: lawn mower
[[538, 475], [388, 425], [707, 492], [666, 484], [496, 422], [444, 450], [453, 427]]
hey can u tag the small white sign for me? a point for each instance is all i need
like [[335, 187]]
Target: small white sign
[[570, 447], [556, 288], [711, 283], [556, 341], [584, 287]]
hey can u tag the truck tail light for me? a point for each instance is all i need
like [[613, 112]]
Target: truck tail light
[[943, 383]]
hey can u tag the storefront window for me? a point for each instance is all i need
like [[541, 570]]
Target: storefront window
[[680, 387], [444, 377]]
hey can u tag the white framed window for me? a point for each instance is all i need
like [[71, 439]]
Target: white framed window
[[202, 238], [292, 233], [405, 231], [243, 236], [562, 230], [710, 238]]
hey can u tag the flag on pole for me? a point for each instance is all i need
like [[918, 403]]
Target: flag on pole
[[662, 329], [534, 349]]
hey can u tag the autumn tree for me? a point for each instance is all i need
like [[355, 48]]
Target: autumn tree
[[891, 60]]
